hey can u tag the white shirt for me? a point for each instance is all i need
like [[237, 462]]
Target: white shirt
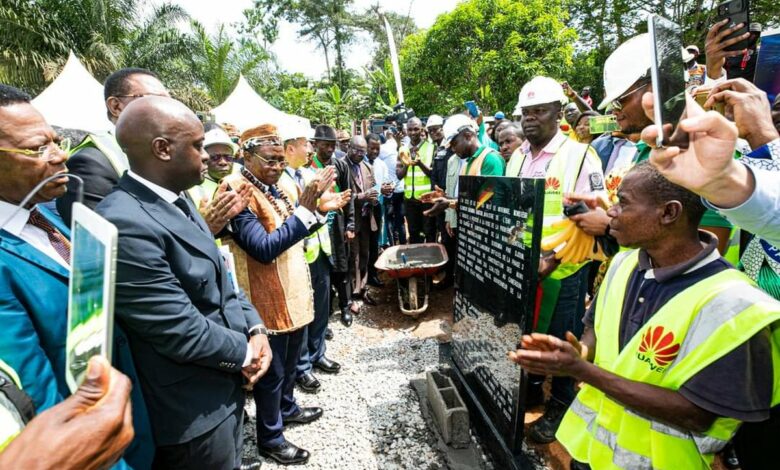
[[36, 237], [169, 197], [388, 153]]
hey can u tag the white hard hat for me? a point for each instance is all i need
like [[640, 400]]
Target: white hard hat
[[293, 129], [456, 124], [218, 136], [434, 120], [541, 90], [629, 63]]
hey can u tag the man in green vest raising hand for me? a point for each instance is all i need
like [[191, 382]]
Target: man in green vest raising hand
[[678, 346], [415, 170]]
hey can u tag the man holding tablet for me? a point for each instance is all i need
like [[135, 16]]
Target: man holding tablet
[[195, 341]]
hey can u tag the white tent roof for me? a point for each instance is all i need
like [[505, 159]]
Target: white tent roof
[[245, 109], [74, 100]]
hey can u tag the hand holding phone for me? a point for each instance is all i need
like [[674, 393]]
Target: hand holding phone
[[736, 12], [667, 70], [472, 108]]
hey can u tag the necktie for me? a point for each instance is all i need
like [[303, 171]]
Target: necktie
[[299, 180], [182, 204], [58, 241]]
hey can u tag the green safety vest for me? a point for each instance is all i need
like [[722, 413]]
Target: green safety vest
[[691, 331], [320, 239], [561, 177], [417, 183], [11, 420], [205, 190], [107, 144]]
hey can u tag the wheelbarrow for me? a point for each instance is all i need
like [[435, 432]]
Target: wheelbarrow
[[411, 266]]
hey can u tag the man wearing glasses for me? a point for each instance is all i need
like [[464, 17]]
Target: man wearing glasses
[[215, 201], [98, 159], [35, 265]]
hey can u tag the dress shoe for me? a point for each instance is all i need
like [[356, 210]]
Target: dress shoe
[[346, 317], [304, 416], [250, 464], [285, 453], [308, 383], [327, 366], [369, 300], [374, 281], [328, 334], [543, 429]]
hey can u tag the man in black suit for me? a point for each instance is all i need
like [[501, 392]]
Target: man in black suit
[[192, 335]]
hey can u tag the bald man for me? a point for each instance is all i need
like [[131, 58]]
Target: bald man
[[363, 186], [194, 338]]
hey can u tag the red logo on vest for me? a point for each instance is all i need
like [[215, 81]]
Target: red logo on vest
[[552, 183], [658, 348]]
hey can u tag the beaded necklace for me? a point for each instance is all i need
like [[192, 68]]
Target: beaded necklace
[[266, 189]]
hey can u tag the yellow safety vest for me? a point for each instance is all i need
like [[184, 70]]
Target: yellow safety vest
[[108, 145], [561, 177], [11, 421], [691, 331], [320, 239], [417, 183]]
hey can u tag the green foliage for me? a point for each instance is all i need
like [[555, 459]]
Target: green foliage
[[485, 50]]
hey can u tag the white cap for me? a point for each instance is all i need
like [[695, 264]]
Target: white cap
[[294, 129], [434, 120], [218, 136], [456, 124], [540, 90], [629, 63]]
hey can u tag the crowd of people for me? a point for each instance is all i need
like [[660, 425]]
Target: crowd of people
[[685, 309]]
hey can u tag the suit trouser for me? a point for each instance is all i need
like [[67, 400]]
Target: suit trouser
[[218, 449], [358, 255], [422, 229], [274, 391], [398, 228], [313, 341]]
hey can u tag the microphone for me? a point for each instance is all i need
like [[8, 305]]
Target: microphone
[[39, 186]]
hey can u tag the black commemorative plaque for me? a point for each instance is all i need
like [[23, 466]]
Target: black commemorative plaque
[[499, 230]]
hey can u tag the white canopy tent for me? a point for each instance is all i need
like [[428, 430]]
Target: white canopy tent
[[245, 109], [74, 100]]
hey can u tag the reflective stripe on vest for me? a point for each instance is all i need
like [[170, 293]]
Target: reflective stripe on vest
[[417, 183], [319, 240], [109, 147], [561, 177], [692, 330], [11, 419]]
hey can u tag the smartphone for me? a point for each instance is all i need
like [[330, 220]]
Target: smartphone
[[667, 70], [603, 124], [736, 11], [472, 108]]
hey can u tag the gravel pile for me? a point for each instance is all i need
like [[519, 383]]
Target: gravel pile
[[372, 417]]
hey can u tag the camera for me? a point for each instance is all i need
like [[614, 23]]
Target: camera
[[401, 114]]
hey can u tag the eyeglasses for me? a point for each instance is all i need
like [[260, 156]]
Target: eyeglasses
[[45, 152], [221, 156], [281, 164], [616, 103]]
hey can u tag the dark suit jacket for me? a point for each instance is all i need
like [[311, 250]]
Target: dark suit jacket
[[344, 219], [186, 326], [360, 185], [99, 179]]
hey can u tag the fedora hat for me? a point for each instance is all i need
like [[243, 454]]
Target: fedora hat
[[325, 133]]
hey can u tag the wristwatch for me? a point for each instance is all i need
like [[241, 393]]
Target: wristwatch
[[258, 330]]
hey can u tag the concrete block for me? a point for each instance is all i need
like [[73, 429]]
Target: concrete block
[[449, 411]]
